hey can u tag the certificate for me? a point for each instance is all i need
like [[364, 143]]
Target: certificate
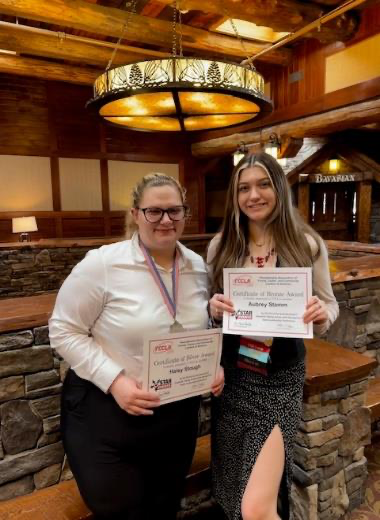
[[268, 302], [181, 365]]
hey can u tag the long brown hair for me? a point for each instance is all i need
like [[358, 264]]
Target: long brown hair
[[286, 226]]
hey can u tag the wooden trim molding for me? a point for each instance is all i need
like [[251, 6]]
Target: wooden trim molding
[[105, 195], [55, 183]]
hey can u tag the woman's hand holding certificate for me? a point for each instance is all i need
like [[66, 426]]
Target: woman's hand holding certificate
[[271, 302], [183, 364]]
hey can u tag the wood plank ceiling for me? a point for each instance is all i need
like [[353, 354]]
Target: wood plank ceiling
[[72, 40]]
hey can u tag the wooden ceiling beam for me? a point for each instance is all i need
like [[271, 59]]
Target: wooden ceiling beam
[[282, 15], [40, 42], [93, 18], [47, 70], [332, 121]]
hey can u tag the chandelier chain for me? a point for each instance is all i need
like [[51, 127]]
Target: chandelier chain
[[174, 30], [180, 29], [177, 38], [132, 4], [240, 39]]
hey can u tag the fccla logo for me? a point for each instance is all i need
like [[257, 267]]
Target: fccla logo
[[163, 347], [243, 280]]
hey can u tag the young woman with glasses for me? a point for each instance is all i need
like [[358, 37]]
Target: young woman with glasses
[[130, 455], [256, 419]]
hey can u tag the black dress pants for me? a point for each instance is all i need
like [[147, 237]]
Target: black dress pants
[[127, 467]]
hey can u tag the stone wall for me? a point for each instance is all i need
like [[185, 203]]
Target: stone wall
[[31, 451], [330, 468], [358, 325], [29, 271]]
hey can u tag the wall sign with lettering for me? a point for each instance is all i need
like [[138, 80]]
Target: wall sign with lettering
[[347, 177]]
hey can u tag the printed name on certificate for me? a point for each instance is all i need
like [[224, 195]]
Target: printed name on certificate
[[268, 302], [181, 365]]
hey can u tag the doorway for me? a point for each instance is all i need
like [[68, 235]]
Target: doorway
[[333, 210]]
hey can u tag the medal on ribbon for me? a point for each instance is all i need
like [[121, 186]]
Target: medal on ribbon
[[170, 302]]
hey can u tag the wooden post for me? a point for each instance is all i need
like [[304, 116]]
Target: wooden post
[[105, 196], [364, 210], [304, 200]]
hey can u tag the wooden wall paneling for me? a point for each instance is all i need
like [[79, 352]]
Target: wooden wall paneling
[[181, 171], [76, 127], [123, 144], [364, 210], [102, 137], [49, 119], [58, 227], [51, 122], [292, 70], [79, 227], [190, 182], [201, 203], [301, 69], [117, 226], [69, 224], [46, 229], [23, 116]]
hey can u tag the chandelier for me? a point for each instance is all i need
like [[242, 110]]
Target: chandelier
[[179, 93]]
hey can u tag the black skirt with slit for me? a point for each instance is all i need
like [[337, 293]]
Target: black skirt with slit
[[243, 417]]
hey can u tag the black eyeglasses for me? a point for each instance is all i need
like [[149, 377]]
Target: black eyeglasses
[[154, 215]]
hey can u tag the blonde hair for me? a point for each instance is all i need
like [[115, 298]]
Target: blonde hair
[[151, 180], [286, 226], [154, 180]]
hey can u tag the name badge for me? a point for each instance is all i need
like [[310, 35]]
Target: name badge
[[254, 354]]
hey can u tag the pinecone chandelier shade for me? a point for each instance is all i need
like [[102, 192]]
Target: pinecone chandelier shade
[[180, 94]]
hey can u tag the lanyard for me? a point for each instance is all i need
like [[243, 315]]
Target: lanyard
[[171, 303]]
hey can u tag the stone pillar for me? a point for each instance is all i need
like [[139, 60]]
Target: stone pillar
[[31, 452], [330, 468], [358, 327]]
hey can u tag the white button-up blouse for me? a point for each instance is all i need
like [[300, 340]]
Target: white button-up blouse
[[109, 303]]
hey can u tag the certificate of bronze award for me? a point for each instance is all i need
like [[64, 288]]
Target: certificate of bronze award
[[268, 302], [181, 365]]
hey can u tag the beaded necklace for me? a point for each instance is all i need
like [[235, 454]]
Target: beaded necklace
[[260, 261]]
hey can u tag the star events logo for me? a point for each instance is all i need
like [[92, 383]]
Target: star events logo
[[161, 384], [243, 315]]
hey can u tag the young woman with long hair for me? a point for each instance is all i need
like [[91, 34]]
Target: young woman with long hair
[[256, 419]]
